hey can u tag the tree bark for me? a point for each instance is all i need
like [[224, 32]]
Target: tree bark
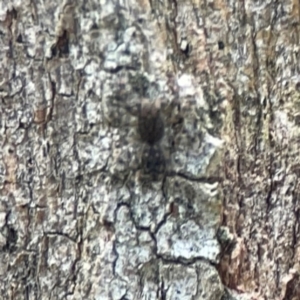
[[149, 149]]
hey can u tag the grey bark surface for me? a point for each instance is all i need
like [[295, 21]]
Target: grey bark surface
[[97, 201]]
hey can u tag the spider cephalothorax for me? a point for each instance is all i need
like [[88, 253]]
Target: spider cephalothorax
[[151, 126]]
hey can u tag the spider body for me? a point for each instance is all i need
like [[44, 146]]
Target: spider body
[[151, 129]]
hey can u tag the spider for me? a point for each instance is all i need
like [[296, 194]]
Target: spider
[[151, 129], [153, 122]]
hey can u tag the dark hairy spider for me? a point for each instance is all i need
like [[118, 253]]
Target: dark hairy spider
[[150, 123], [151, 129]]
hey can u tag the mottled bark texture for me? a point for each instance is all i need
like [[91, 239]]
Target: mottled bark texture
[[149, 149]]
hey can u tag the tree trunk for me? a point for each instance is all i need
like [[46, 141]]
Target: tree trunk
[[149, 150]]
